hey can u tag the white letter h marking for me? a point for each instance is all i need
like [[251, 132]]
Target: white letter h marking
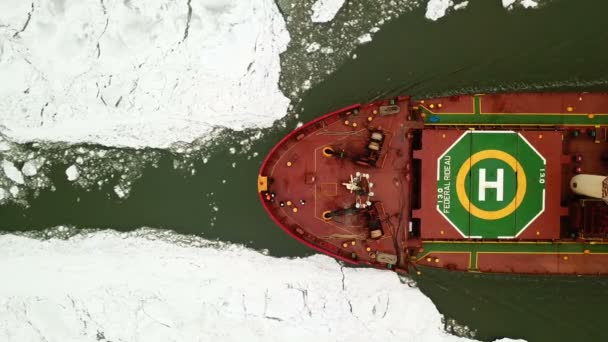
[[498, 184]]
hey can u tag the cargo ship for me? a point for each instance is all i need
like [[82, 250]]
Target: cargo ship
[[500, 183]]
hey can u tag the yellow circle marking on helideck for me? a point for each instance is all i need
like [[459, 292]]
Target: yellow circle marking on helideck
[[506, 210]]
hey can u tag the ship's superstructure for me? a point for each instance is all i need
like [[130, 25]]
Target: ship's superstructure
[[511, 183]]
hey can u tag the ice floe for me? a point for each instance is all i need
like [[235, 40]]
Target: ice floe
[[4, 146], [138, 73], [525, 3], [144, 286], [436, 9], [366, 38], [325, 10], [120, 192], [461, 5], [12, 172], [72, 173], [30, 167]]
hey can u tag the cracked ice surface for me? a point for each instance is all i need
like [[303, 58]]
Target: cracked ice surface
[[139, 287], [139, 73]]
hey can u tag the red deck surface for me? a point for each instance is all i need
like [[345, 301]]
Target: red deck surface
[[544, 103], [299, 171]]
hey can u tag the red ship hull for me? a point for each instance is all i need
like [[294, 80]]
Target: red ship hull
[[506, 183]]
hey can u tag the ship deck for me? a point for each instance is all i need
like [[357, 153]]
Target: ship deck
[[306, 182], [431, 212]]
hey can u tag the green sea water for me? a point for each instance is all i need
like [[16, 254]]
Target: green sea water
[[483, 48]]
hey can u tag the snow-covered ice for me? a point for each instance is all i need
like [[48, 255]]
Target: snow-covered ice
[[366, 38], [72, 173], [461, 5], [312, 47], [4, 145], [528, 3], [525, 3], [125, 287], [139, 73], [12, 172], [436, 9], [119, 192], [30, 167], [325, 10]]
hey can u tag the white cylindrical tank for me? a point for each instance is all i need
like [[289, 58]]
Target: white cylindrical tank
[[588, 185]]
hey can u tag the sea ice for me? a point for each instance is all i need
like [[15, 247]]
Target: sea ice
[[72, 173], [141, 287], [2, 194], [312, 47], [461, 5], [529, 3], [12, 172], [14, 190], [119, 191], [138, 73], [325, 10], [366, 38], [436, 9], [30, 167], [508, 4]]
